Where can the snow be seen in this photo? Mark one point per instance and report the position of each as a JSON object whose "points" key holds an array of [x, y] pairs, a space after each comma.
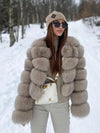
{"points": [[12, 64], [77, 1]]}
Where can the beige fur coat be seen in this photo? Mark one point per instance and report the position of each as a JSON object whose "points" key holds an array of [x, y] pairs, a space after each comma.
{"points": [[73, 78]]}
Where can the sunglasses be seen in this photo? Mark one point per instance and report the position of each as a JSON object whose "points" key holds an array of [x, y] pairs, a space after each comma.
{"points": [[57, 24]]}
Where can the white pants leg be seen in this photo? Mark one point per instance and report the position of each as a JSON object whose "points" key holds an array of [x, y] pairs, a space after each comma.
{"points": [[60, 118], [59, 115], [39, 121]]}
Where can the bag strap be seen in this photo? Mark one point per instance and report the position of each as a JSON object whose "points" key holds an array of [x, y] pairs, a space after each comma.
{"points": [[56, 77]]}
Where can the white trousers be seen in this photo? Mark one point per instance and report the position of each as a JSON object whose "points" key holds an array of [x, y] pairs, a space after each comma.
{"points": [[59, 115]]}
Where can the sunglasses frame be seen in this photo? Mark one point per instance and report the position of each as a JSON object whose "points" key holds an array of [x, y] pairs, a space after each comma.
{"points": [[63, 24]]}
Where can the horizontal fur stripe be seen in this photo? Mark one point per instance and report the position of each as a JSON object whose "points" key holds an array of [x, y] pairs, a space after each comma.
{"points": [[79, 97], [67, 89], [38, 77], [73, 41], [80, 85], [41, 63], [29, 53], [25, 76], [39, 42], [34, 91], [23, 89], [80, 110], [23, 103], [40, 52], [81, 74], [81, 63], [68, 76], [80, 51], [69, 63], [66, 51], [70, 48], [21, 117], [28, 65], [75, 51]]}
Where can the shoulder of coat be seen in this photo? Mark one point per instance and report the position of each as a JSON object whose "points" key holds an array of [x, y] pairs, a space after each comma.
{"points": [[72, 47], [75, 44], [39, 49], [39, 42], [72, 41]]}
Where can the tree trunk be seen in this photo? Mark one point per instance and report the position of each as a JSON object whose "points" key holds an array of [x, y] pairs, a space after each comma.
{"points": [[11, 23], [0, 36], [40, 14], [22, 18], [18, 21], [50, 5], [37, 15]]}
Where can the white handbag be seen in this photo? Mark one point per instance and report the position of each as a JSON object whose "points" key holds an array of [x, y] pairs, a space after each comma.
{"points": [[49, 92]]}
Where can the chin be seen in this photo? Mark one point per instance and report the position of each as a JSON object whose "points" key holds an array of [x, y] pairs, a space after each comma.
{"points": [[59, 34]]}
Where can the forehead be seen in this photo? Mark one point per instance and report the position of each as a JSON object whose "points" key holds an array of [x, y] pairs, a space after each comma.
{"points": [[60, 20]]}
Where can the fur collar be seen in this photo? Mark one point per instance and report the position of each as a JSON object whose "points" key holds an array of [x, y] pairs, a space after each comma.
{"points": [[39, 48]]}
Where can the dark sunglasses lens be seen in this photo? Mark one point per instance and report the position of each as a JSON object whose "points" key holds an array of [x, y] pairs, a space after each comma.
{"points": [[64, 25], [57, 24]]}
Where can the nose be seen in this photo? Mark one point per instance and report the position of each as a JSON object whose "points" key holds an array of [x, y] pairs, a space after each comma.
{"points": [[60, 25]]}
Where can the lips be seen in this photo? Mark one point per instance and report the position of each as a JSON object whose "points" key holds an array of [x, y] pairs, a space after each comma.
{"points": [[60, 31]]}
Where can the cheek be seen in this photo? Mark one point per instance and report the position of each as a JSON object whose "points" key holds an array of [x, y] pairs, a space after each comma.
{"points": [[54, 29]]}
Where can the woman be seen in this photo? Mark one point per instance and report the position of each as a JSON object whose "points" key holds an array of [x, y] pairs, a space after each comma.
{"points": [[57, 53]]}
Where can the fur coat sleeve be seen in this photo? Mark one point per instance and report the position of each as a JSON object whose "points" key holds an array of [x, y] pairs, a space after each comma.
{"points": [[79, 97], [23, 102], [32, 77]]}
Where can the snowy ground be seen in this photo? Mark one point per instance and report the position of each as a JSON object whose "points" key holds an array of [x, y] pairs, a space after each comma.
{"points": [[12, 64]]}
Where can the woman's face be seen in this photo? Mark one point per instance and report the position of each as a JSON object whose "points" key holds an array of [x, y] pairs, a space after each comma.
{"points": [[58, 31]]}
